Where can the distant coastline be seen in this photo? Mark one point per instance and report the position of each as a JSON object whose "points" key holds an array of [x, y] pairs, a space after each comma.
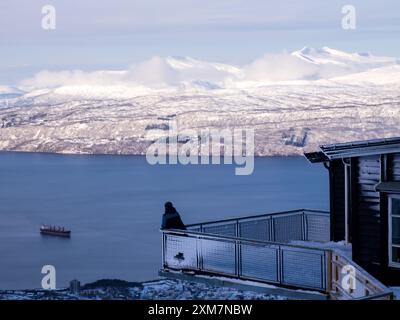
{"points": [[158, 289], [290, 155]]}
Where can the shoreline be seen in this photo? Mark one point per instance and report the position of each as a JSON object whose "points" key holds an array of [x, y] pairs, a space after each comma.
{"points": [[157, 289], [292, 155]]}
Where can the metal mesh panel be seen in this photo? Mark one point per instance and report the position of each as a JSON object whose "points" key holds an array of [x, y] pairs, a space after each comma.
{"points": [[318, 227], [180, 252], [194, 229], [290, 265], [218, 256], [256, 229], [288, 228], [221, 229], [285, 227], [260, 262], [303, 267], [295, 266]]}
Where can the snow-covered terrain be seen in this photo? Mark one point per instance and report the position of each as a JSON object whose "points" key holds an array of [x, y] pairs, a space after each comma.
{"points": [[161, 289], [295, 102]]}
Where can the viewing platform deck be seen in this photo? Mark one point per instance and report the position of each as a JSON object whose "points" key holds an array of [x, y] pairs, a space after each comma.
{"points": [[269, 249]]}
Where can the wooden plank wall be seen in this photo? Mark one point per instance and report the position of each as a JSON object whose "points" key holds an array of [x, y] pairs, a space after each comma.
{"points": [[390, 275], [337, 200], [366, 208], [394, 167]]}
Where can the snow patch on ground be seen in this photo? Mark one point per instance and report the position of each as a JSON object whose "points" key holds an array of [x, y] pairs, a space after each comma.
{"points": [[153, 290], [184, 290]]}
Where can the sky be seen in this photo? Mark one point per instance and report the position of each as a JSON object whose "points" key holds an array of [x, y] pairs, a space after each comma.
{"points": [[98, 34]]}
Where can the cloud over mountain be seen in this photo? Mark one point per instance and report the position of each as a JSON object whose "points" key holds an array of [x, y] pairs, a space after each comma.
{"points": [[182, 73]]}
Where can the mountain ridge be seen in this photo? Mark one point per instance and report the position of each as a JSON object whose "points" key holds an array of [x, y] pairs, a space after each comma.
{"points": [[177, 74], [115, 113]]}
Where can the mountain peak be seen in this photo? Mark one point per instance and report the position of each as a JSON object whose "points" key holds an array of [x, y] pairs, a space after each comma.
{"points": [[308, 51], [177, 73]]}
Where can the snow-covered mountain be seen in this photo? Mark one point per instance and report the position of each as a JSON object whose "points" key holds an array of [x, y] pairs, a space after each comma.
{"points": [[327, 55], [7, 92], [293, 101], [183, 74], [347, 67]]}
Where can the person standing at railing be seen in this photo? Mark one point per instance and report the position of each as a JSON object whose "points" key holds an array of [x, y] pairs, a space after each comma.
{"points": [[171, 218]]}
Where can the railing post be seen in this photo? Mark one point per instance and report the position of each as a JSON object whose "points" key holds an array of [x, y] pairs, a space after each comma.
{"points": [[237, 258], [328, 261], [270, 229], [197, 254], [273, 229], [199, 249], [163, 238], [281, 266], [304, 226], [238, 251]]}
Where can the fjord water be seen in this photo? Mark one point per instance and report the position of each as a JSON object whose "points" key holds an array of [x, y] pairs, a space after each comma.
{"points": [[113, 205]]}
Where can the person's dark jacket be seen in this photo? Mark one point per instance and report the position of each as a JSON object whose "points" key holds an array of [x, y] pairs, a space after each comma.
{"points": [[171, 219]]}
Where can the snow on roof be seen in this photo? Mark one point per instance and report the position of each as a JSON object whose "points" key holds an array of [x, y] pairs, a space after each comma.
{"points": [[355, 149]]}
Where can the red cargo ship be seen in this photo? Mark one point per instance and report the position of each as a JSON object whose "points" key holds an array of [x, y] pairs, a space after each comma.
{"points": [[55, 231]]}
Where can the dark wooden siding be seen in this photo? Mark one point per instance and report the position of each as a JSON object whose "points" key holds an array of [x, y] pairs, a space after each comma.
{"points": [[337, 200], [390, 276], [394, 167], [366, 213]]}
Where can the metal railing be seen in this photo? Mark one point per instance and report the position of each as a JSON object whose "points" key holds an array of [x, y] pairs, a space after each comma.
{"points": [[282, 227], [267, 262], [258, 248]]}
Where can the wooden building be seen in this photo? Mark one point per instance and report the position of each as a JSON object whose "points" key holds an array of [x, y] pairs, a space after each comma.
{"points": [[364, 180]]}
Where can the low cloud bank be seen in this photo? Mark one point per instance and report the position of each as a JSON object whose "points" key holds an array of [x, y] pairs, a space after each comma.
{"points": [[172, 72]]}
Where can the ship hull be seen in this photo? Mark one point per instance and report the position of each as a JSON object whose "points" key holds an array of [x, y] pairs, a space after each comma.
{"points": [[64, 234]]}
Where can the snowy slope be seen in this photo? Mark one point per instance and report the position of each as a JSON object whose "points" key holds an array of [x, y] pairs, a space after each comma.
{"points": [[321, 95], [7, 92], [378, 76]]}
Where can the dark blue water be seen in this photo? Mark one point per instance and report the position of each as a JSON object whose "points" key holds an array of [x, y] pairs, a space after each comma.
{"points": [[113, 204]]}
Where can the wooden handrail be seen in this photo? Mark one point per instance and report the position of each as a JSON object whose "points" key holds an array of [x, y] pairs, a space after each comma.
{"points": [[370, 289]]}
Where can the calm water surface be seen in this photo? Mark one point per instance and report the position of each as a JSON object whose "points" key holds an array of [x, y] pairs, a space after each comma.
{"points": [[113, 205]]}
